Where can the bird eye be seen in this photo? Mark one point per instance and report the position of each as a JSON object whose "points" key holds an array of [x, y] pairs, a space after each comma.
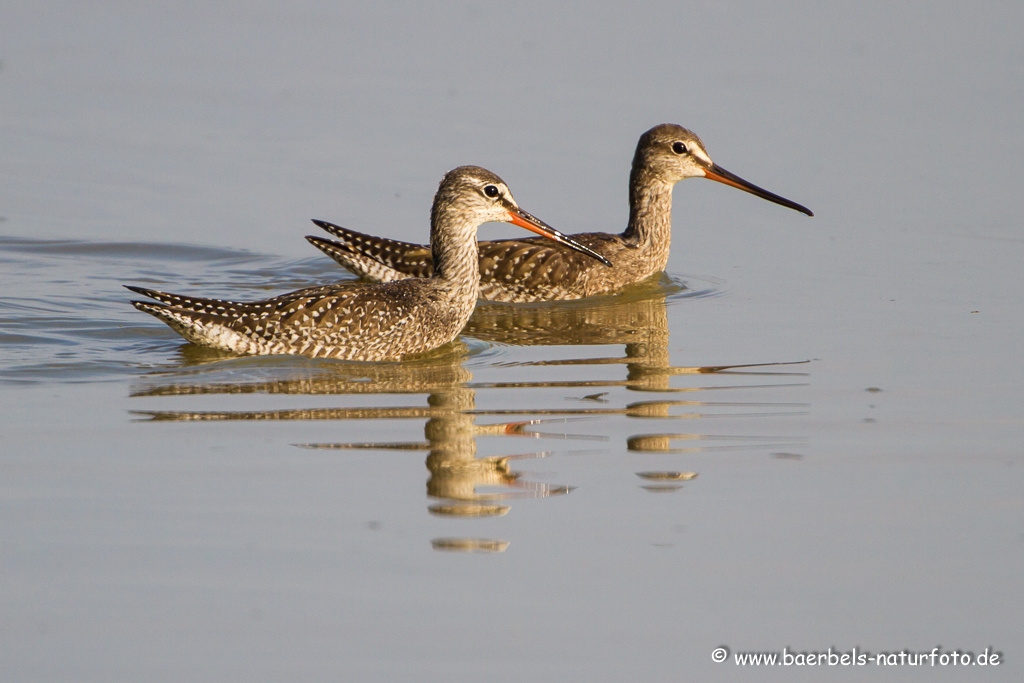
{"points": [[491, 191], [679, 148]]}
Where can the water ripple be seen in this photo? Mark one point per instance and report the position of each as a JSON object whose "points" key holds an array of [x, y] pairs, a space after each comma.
{"points": [[64, 315]]}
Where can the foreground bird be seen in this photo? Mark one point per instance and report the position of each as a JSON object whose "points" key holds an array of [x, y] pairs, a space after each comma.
{"points": [[368, 322], [523, 270]]}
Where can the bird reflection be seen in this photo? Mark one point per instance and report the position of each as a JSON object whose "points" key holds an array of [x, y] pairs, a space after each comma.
{"points": [[466, 485], [637, 318], [461, 483], [457, 475]]}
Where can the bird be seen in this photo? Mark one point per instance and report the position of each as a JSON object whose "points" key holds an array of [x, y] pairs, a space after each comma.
{"points": [[531, 269], [367, 322]]}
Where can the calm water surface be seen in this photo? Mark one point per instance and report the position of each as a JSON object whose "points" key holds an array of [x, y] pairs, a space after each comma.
{"points": [[806, 434]]}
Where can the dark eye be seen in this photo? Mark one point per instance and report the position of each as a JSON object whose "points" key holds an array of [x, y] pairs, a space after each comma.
{"points": [[679, 148], [491, 191]]}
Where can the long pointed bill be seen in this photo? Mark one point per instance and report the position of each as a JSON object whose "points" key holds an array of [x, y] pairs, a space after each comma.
{"points": [[719, 174], [533, 224]]}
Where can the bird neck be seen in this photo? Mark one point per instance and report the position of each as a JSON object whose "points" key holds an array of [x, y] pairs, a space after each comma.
{"points": [[650, 214], [456, 259]]}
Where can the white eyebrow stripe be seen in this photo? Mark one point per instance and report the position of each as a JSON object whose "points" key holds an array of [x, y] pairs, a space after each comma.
{"points": [[700, 154]]}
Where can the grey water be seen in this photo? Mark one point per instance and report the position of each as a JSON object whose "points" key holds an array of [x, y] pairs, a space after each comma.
{"points": [[807, 434]]}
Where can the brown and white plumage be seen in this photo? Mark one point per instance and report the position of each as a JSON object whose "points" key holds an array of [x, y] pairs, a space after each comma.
{"points": [[521, 270], [355, 321]]}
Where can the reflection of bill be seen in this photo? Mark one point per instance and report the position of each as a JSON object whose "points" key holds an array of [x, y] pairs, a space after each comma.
{"points": [[469, 545], [457, 475]]}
